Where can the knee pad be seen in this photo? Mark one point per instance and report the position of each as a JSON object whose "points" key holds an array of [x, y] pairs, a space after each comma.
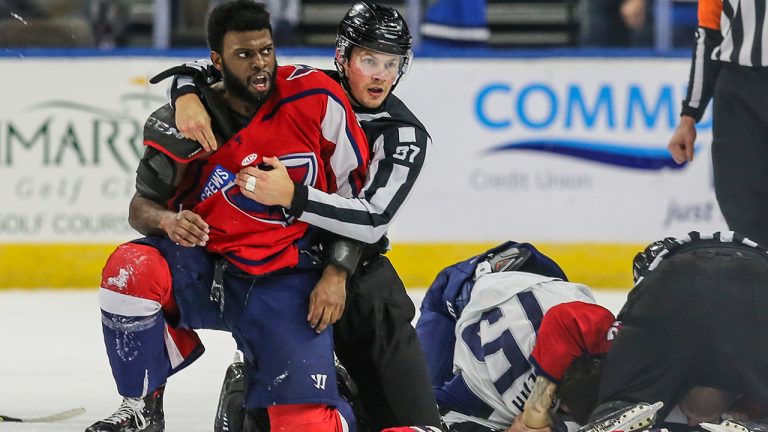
{"points": [[139, 271], [307, 418]]}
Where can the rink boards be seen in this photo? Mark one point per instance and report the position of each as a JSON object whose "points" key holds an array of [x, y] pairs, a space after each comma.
{"points": [[564, 152], [79, 265]]}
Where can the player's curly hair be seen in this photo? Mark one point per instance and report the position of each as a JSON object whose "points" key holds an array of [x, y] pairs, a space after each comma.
{"points": [[238, 16], [578, 388]]}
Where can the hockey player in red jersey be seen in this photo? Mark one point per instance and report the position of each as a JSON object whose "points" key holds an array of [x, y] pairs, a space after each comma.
{"points": [[373, 55], [251, 274], [258, 238]]}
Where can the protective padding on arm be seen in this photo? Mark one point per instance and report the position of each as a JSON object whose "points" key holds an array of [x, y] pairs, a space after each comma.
{"points": [[161, 133], [155, 176]]}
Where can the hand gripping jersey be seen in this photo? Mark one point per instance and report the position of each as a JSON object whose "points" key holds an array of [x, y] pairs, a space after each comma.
{"points": [[308, 123]]}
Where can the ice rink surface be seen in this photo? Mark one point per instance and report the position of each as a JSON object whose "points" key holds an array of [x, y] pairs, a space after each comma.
{"points": [[52, 359]]}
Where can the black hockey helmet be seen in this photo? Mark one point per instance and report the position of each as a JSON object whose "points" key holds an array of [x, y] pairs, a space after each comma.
{"points": [[375, 27], [643, 260]]}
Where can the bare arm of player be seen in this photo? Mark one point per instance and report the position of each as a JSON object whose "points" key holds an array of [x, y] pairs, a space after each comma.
{"points": [[681, 144], [326, 302], [150, 218], [536, 411], [193, 121], [518, 425], [272, 187]]}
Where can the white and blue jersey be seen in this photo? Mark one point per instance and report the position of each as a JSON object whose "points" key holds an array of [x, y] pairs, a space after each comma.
{"points": [[478, 335], [495, 335]]}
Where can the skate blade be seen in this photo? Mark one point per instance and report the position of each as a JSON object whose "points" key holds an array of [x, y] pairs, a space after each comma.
{"points": [[725, 426], [638, 418]]}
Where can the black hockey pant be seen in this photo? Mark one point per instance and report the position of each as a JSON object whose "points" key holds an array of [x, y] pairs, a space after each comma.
{"points": [[377, 344], [740, 149], [699, 319]]}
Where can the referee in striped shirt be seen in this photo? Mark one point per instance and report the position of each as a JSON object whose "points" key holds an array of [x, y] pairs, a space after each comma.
{"points": [[730, 63]]}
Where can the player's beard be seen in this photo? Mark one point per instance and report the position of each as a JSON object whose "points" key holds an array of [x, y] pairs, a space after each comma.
{"points": [[240, 88]]}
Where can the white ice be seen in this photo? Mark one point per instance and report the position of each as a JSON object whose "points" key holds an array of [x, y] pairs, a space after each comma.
{"points": [[52, 359]]}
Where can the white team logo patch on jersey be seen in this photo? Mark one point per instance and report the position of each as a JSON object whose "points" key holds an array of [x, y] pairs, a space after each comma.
{"points": [[319, 380], [249, 159], [299, 71]]}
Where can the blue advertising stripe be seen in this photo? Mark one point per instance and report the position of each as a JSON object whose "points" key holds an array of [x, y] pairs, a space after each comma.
{"points": [[611, 154]]}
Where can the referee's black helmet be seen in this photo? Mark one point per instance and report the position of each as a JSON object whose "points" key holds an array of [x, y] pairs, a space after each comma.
{"points": [[375, 27]]}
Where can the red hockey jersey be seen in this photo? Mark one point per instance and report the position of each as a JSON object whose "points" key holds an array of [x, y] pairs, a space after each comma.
{"points": [[309, 124]]}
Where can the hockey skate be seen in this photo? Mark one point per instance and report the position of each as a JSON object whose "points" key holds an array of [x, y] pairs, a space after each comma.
{"points": [[348, 391], [230, 413], [628, 418], [135, 415], [735, 426]]}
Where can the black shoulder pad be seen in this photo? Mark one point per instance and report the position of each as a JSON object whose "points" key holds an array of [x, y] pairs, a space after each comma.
{"points": [[160, 132], [155, 176]]}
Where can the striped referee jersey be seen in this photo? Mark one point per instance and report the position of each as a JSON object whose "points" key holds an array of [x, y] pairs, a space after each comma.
{"points": [[731, 31], [398, 148]]}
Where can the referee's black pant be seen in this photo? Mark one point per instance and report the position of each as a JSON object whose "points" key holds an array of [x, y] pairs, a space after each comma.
{"points": [[377, 344], [699, 319], [740, 149]]}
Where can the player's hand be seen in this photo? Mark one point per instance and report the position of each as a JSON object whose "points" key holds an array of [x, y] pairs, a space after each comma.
{"points": [[519, 426], [193, 121], [326, 303], [185, 228], [271, 187], [536, 413], [681, 144], [633, 13]]}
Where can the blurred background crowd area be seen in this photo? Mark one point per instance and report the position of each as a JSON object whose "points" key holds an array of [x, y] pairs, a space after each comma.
{"points": [[167, 24]]}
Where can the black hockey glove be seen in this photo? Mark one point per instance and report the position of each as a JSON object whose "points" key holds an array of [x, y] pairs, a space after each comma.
{"points": [[189, 77], [201, 71], [197, 77]]}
